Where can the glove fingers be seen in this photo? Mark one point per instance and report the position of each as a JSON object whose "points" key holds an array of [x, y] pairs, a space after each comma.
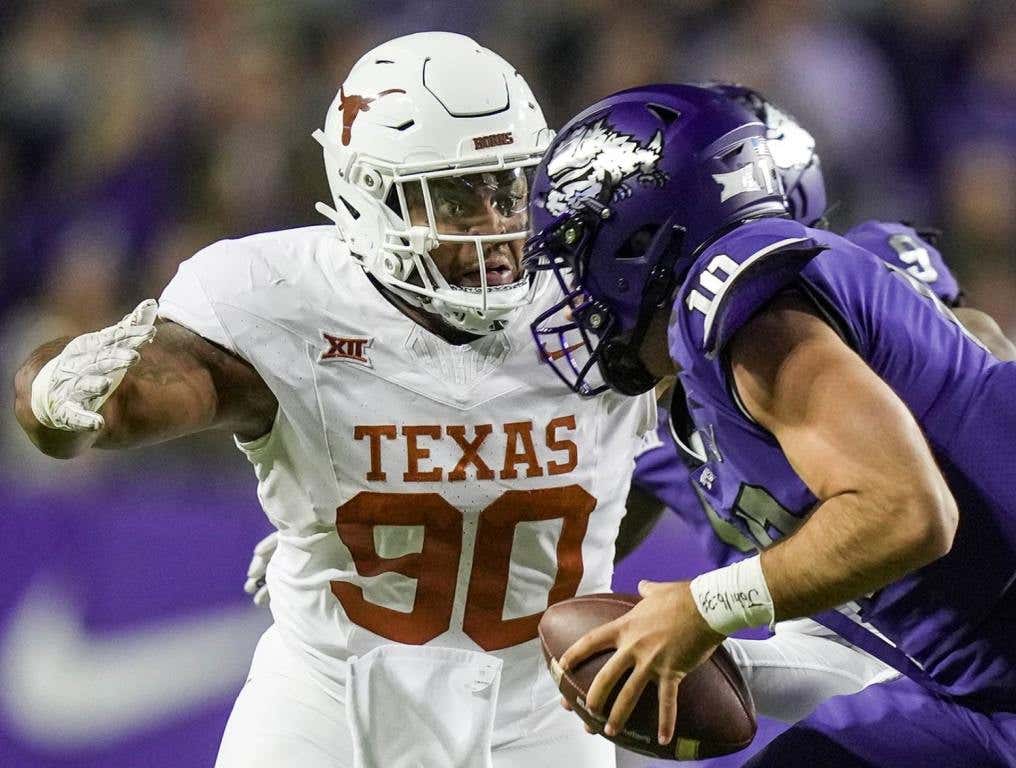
{"points": [[258, 590], [72, 416], [136, 336], [93, 386], [257, 568], [115, 360], [267, 545], [251, 586], [143, 314], [125, 335]]}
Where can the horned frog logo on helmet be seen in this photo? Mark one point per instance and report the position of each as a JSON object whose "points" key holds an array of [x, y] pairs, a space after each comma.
{"points": [[595, 156], [790, 144]]}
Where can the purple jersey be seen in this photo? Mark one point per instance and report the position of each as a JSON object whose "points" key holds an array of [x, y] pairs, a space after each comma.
{"points": [[903, 246], [898, 724], [662, 469], [952, 621]]}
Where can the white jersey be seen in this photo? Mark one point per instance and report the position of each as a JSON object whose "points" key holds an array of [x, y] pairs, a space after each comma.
{"points": [[424, 493]]}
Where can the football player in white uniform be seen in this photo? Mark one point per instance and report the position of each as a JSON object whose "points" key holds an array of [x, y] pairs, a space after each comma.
{"points": [[433, 491]]}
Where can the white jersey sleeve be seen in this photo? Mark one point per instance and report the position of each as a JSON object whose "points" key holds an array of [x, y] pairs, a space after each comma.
{"points": [[215, 274]]}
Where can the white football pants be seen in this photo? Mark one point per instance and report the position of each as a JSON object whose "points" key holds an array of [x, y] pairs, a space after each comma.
{"points": [[282, 717], [802, 665]]}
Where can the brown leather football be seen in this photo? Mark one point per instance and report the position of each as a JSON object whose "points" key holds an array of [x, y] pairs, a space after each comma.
{"points": [[715, 711]]}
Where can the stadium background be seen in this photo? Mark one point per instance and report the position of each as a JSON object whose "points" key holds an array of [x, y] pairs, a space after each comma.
{"points": [[132, 133]]}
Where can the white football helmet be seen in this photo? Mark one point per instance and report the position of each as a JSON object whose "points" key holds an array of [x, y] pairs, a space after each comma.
{"points": [[419, 120]]}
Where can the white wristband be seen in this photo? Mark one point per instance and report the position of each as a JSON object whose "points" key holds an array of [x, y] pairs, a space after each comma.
{"points": [[734, 597], [40, 393]]}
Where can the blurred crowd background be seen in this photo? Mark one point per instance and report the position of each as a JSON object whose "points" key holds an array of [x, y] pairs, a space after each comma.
{"points": [[134, 132]]}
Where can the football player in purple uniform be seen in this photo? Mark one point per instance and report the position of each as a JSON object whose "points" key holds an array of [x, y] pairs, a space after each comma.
{"points": [[851, 428], [662, 467]]}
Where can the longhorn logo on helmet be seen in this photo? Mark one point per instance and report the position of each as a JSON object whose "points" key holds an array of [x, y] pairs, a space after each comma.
{"points": [[352, 106]]}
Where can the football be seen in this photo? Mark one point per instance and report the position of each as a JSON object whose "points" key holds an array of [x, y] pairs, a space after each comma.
{"points": [[715, 711]]}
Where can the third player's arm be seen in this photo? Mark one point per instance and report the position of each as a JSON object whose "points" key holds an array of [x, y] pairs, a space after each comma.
{"points": [[885, 509], [984, 327], [642, 512], [181, 384]]}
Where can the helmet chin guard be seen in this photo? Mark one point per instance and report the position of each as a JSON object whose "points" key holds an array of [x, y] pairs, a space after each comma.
{"points": [[423, 128]]}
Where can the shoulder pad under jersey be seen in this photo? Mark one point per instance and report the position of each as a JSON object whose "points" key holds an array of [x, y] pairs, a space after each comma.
{"points": [[903, 246], [737, 275], [270, 275]]}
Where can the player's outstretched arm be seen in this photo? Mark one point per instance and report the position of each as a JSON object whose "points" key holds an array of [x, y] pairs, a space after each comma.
{"points": [[138, 382], [885, 509]]}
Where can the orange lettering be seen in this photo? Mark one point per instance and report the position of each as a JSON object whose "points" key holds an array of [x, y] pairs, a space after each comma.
{"points": [[514, 431], [375, 433], [470, 453], [434, 567], [414, 454], [562, 467], [495, 536]]}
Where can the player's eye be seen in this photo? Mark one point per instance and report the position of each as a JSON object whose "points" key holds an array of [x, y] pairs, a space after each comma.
{"points": [[510, 204]]}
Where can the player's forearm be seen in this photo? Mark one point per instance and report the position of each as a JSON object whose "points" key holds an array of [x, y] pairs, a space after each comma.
{"points": [[136, 416], [167, 392], [58, 443], [853, 545], [184, 384], [136, 413], [165, 395]]}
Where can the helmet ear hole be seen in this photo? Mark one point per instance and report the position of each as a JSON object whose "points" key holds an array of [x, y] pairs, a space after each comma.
{"points": [[349, 207], [636, 246]]}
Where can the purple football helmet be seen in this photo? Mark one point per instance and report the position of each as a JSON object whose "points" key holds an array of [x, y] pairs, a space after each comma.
{"points": [[793, 150], [627, 194]]}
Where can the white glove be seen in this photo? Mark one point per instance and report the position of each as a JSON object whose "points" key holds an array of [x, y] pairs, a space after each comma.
{"points": [[255, 584], [69, 390]]}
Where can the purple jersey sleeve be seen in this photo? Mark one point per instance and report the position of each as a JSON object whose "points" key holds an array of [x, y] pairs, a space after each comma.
{"points": [[739, 273], [903, 246]]}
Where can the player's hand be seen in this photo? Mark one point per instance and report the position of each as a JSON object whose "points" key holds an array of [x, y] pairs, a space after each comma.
{"points": [[660, 640], [255, 586], [69, 390]]}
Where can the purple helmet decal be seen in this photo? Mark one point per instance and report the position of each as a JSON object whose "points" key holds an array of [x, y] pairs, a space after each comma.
{"points": [[627, 193], [793, 150]]}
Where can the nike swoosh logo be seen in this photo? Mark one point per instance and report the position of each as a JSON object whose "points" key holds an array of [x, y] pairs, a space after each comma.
{"points": [[557, 354], [63, 686]]}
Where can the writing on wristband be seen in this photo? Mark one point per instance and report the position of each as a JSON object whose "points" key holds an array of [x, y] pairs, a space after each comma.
{"points": [[713, 601], [734, 597]]}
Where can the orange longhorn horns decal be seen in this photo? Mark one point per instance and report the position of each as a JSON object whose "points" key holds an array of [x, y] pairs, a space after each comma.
{"points": [[352, 106]]}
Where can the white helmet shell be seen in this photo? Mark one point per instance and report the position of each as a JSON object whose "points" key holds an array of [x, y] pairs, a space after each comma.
{"points": [[420, 107]]}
